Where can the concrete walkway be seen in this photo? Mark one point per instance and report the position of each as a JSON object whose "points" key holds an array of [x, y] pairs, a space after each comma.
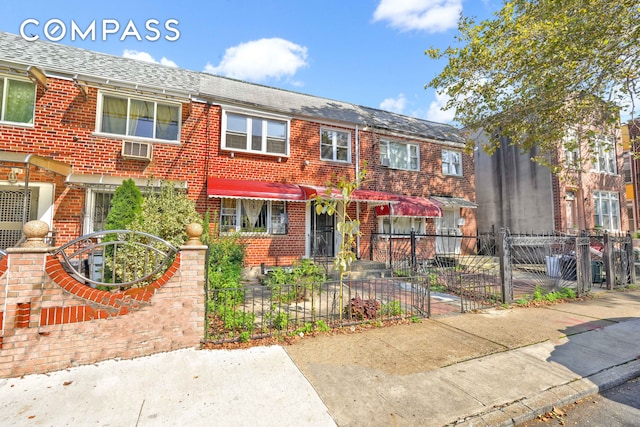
{"points": [[498, 367]]}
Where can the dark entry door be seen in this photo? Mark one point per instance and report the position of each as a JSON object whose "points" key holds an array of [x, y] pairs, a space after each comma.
{"points": [[322, 234]]}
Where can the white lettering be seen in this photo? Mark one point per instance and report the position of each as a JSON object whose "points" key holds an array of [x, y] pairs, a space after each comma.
{"points": [[24, 24], [130, 30], [150, 25], [109, 26], [91, 29], [55, 30], [53, 27], [175, 31]]}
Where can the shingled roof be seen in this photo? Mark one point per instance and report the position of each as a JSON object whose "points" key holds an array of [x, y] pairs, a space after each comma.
{"points": [[87, 65]]}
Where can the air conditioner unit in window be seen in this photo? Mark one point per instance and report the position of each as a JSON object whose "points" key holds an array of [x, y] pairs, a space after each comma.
{"points": [[137, 150], [385, 161]]}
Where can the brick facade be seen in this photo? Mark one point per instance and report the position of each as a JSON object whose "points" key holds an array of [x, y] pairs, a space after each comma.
{"points": [[64, 129]]}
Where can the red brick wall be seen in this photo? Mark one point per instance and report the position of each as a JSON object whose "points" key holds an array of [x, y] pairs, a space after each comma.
{"points": [[52, 322], [64, 130]]}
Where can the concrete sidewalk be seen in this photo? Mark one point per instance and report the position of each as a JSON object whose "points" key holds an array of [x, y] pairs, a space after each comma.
{"points": [[493, 368]]}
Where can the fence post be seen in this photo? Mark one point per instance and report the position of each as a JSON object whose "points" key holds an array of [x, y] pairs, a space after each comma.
{"points": [[390, 250], [631, 277], [506, 272], [583, 263], [607, 258], [413, 250]]}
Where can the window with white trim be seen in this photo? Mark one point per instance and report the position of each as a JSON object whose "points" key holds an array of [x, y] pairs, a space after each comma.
{"points": [[400, 225], [17, 100], [139, 118], [255, 134], [253, 216], [451, 162], [571, 149], [335, 145], [606, 210], [397, 155], [97, 208], [604, 158]]}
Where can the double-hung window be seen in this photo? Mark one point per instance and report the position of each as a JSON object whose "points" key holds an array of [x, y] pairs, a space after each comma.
{"points": [[139, 118], [97, 208], [255, 134], [398, 155], [451, 162], [335, 145], [17, 100], [604, 159], [606, 210], [400, 225], [571, 149], [253, 216]]}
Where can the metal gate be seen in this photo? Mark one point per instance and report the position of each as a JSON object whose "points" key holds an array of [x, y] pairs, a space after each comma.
{"points": [[13, 214], [549, 262], [467, 267]]}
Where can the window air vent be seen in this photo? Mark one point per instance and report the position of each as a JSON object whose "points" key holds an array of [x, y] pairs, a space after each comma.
{"points": [[137, 150], [385, 161]]}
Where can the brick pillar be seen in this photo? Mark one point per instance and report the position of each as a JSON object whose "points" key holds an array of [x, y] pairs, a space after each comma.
{"points": [[20, 301], [193, 267]]}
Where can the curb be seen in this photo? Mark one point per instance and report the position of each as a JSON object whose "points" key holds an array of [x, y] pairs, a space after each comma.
{"points": [[525, 409]]}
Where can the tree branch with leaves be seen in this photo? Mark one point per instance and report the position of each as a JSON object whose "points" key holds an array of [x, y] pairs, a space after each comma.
{"points": [[540, 65]]}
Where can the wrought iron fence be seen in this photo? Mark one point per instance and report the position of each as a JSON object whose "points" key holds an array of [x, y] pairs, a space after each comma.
{"points": [[257, 311], [116, 258]]}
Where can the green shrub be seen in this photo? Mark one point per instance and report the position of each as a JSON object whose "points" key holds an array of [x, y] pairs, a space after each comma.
{"points": [[294, 284], [392, 308]]}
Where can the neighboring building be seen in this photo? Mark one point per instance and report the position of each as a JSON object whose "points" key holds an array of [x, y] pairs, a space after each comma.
{"points": [[629, 168], [75, 123], [631, 139], [516, 193]]}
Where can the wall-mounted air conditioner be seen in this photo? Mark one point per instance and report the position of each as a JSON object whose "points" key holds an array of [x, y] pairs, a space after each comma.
{"points": [[137, 150]]}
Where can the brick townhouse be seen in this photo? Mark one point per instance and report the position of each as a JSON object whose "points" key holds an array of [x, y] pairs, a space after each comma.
{"points": [[75, 123]]}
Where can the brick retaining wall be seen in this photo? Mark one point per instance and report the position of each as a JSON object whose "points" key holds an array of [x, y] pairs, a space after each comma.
{"points": [[49, 321]]}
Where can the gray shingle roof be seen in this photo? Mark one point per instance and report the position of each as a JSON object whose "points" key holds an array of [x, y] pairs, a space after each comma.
{"points": [[58, 58]]}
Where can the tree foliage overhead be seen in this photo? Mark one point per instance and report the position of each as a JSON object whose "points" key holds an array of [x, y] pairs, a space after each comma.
{"points": [[540, 65]]}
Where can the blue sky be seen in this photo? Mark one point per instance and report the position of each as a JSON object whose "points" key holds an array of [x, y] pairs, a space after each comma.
{"points": [[368, 52]]}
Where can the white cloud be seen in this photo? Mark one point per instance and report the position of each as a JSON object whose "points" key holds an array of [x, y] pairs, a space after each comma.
{"points": [[146, 57], [261, 59], [436, 112], [428, 15], [396, 105]]}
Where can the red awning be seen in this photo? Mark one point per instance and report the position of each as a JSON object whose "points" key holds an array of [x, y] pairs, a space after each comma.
{"points": [[247, 189], [358, 195], [410, 206], [312, 191]]}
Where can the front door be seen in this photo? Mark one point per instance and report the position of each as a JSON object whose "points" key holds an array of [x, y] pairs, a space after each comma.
{"points": [[447, 230], [13, 215], [322, 234]]}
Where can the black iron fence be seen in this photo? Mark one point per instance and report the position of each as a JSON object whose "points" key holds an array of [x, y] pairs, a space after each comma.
{"points": [[257, 311], [499, 267]]}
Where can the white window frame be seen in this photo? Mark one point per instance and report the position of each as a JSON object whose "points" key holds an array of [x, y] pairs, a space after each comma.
{"points": [[4, 97], [128, 98], [275, 225], [571, 148], [604, 159], [448, 163], [385, 153], [266, 119], [606, 210], [333, 135], [418, 224], [90, 206]]}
